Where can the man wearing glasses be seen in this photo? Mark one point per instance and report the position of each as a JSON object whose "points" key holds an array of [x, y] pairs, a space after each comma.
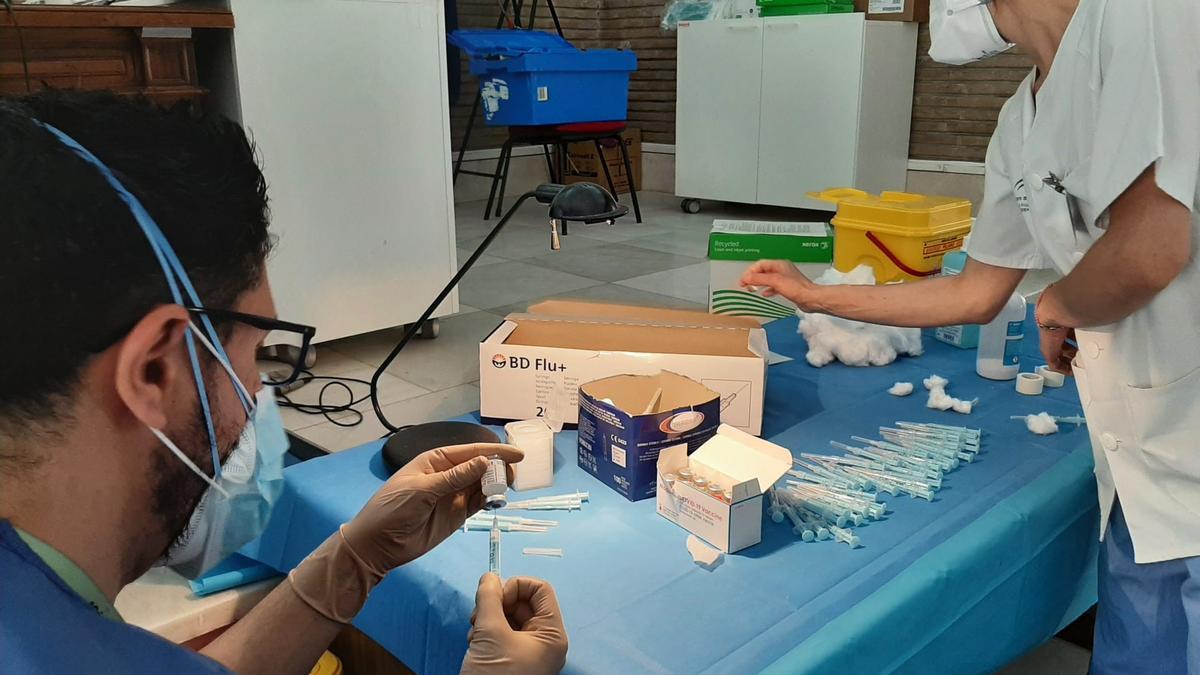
{"points": [[134, 430]]}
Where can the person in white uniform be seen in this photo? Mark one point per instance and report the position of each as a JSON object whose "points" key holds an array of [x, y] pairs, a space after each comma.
{"points": [[1093, 171]]}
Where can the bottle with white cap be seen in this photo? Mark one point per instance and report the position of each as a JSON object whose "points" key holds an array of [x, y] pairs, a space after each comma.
{"points": [[999, 356]]}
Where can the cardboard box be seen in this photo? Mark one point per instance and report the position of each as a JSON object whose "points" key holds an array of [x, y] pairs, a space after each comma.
{"points": [[625, 420], [534, 362], [745, 466], [583, 162], [735, 245], [894, 10]]}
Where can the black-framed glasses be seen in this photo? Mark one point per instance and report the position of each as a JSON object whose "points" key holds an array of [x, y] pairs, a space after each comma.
{"points": [[291, 358]]}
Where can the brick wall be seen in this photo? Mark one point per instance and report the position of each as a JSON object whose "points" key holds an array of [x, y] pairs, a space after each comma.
{"points": [[954, 107]]}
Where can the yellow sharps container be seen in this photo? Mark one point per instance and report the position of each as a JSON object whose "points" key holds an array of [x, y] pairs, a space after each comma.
{"points": [[900, 234]]}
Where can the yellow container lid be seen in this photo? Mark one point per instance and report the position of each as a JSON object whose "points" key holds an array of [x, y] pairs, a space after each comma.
{"points": [[328, 664], [899, 213]]}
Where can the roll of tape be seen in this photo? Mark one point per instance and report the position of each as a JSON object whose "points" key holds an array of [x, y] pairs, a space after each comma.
{"points": [[1053, 378], [1030, 384]]}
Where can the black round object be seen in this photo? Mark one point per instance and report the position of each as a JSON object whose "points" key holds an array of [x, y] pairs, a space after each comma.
{"points": [[404, 445]]}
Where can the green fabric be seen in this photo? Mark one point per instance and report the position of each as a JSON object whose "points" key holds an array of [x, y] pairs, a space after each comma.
{"points": [[71, 575]]}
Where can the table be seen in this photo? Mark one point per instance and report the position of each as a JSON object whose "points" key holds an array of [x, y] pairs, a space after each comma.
{"points": [[1001, 560]]}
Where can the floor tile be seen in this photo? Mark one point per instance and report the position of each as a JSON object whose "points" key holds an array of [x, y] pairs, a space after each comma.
{"points": [[688, 283], [447, 361], [612, 262], [485, 259], [607, 293], [625, 228], [506, 283], [391, 389], [692, 243], [528, 239], [1055, 657], [428, 408]]}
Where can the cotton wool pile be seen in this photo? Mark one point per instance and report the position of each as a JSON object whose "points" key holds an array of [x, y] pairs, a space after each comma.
{"points": [[855, 343]]}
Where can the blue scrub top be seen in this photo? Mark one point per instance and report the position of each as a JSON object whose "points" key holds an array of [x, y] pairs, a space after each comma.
{"points": [[45, 627]]}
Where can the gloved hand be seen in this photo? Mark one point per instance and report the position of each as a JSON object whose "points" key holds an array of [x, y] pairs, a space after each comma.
{"points": [[418, 507], [516, 629]]}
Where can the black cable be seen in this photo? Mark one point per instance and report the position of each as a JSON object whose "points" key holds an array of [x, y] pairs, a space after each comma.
{"points": [[321, 407], [21, 45]]}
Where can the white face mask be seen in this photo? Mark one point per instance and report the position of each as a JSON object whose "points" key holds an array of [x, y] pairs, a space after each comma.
{"points": [[963, 31], [237, 504]]}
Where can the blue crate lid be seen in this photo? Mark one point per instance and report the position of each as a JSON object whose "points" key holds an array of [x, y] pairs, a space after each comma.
{"points": [[509, 43]]}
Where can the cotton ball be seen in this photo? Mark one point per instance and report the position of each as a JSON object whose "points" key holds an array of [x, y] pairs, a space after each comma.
{"points": [[963, 407], [1042, 424], [901, 389], [880, 352], [936, 382], [939, 400]]}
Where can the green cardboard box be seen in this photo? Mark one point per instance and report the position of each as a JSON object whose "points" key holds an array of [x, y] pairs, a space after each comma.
{"points": [[734, 245]]}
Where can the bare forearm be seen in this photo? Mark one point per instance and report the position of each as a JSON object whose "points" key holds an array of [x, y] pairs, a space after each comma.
{"points": [[972, 297], [282, 634]]}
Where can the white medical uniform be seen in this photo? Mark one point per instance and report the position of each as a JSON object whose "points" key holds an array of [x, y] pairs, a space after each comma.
{"points": [[1122, 94]]}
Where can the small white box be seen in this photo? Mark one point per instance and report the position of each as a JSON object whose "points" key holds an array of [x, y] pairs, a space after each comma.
{"points": [[533, 364], [746, 466]]}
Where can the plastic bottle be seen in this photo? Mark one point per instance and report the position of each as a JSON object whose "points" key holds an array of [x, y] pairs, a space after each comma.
{"points": [[999, 356], [963, 336]]}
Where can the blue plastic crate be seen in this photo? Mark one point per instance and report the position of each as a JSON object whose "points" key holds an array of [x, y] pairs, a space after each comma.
{"points": [[535, 78]]}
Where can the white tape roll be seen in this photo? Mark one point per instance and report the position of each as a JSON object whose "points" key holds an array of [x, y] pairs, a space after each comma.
{"points": [[1030, 384], [1053, 378]]}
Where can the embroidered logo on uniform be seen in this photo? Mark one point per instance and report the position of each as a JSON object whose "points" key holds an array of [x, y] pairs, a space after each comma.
{"points": [[1022, 195]]}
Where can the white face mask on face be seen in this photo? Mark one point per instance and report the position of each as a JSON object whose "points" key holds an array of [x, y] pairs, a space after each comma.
{"points": [[963, 31], [237, 504]]}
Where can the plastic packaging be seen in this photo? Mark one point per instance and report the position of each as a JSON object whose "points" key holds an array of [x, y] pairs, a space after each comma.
{"points": [[693, 10], [536, 439], [999, 356]]}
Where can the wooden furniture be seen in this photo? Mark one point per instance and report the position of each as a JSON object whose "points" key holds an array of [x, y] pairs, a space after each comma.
{"points": [[769, 109], [130, 50]]}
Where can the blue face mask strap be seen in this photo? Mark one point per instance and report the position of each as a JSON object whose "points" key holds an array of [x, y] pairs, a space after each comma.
{"points": [[167, 259]]}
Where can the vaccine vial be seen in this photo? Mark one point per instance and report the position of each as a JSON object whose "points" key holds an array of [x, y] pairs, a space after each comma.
{"points": [[684, 475], [494, 484], [716, 491], [700, 482], [669, 480]]}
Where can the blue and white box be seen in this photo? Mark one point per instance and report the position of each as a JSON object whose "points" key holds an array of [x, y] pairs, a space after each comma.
{"points": [[625, 420]]}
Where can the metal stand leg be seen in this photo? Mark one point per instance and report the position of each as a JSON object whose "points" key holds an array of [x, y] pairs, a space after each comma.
{"points": [[462, 149], [607, 174], [504, 178], [637, 210], [549, 163], [487, 210]]}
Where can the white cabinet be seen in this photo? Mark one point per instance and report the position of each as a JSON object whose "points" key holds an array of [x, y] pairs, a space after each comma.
{"points": [[347, 104], [769, 109]]}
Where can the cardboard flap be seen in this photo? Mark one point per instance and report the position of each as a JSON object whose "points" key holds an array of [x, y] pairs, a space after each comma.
{"points": [[641, 315], [633, 336], [745, 458], [649, 394]]}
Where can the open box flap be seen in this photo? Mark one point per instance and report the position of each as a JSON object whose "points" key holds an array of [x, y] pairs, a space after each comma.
{"points": [[746, 458], [638, 395], [614, 313]]}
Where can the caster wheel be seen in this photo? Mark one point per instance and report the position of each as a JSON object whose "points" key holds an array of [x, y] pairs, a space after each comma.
{"points": [[430, 330], [690, 205]]}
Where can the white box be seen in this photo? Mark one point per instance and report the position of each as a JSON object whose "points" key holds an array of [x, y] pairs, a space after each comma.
{"points": [[533, 363], [735, 245], [746, 466]]}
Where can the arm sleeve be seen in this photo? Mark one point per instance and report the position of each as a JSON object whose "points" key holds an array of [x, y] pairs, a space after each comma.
{"points": [[1000, 235], [1149, 101]]}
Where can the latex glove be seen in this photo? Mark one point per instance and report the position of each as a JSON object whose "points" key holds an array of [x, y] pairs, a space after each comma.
{"points": [[418, 507], [780, 277], [516, 629]]}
